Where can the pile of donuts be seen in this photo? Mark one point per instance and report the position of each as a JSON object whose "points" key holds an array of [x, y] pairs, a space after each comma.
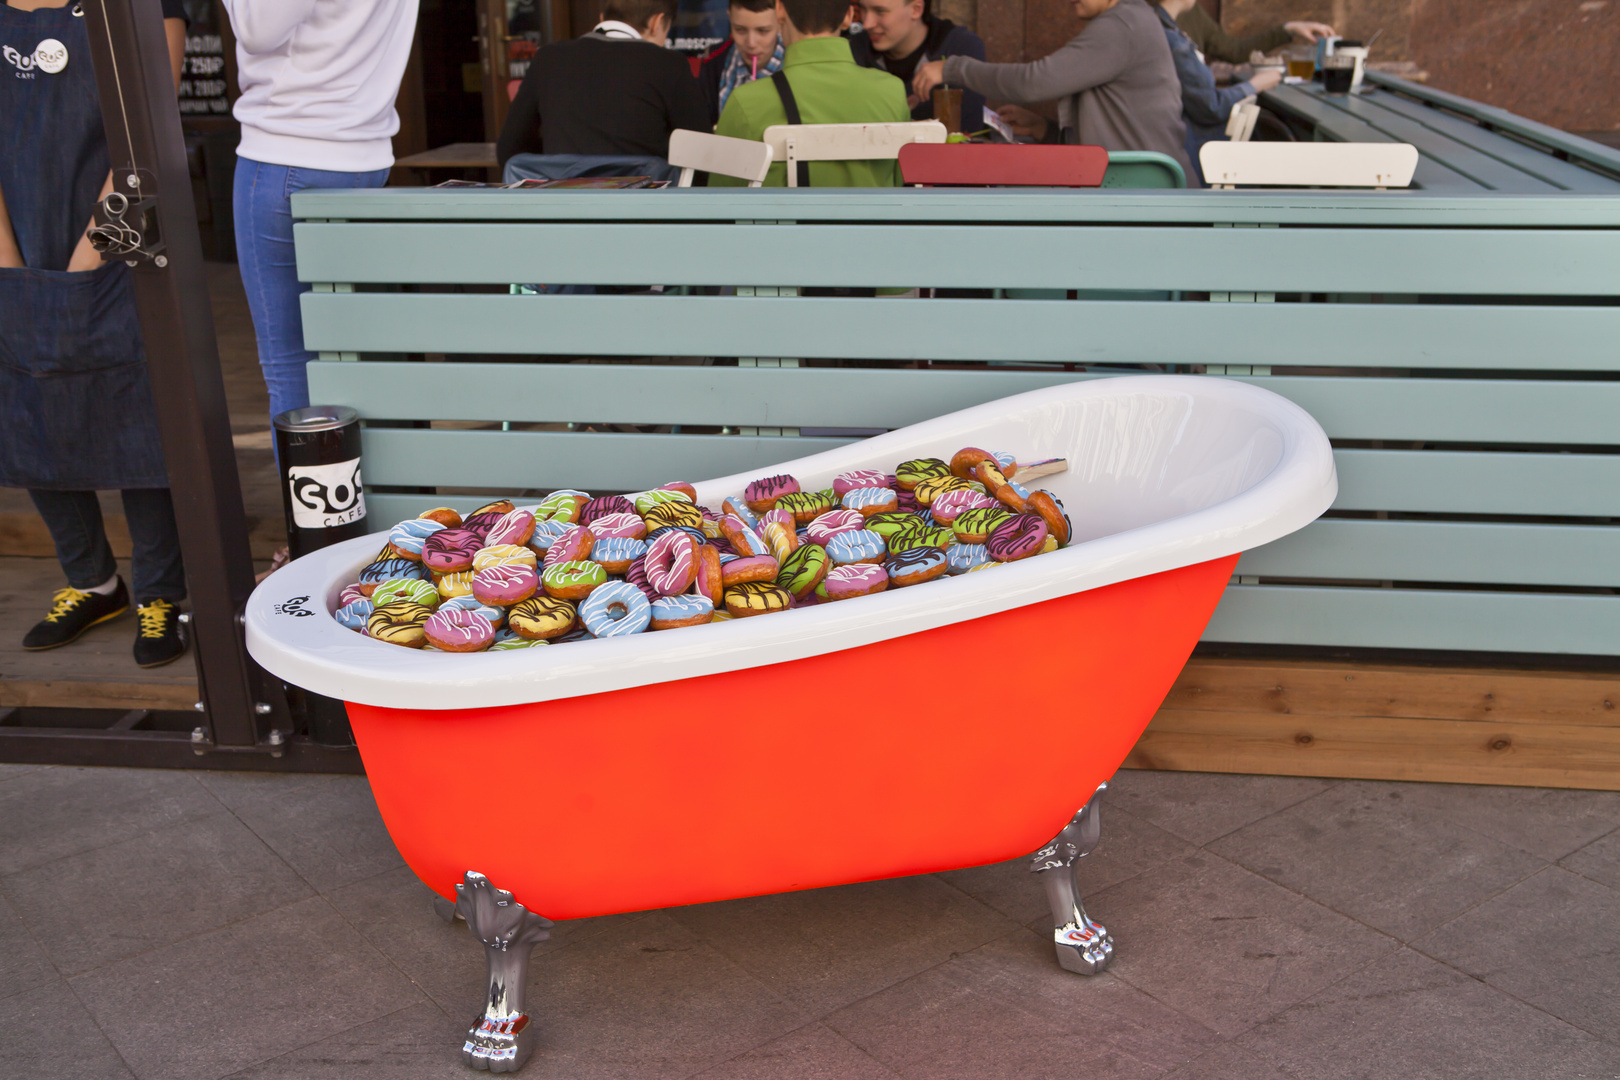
{"points": [[575, 567]]}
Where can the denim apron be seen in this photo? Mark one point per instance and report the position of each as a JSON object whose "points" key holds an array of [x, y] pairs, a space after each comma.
{"points": [[76, 409]]}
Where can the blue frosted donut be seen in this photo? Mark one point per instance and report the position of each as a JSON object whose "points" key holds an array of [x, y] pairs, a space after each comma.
{"points": [[388, 569], [470, 602], [615, 609], [354, 614], [960, 558], [1023, 492], [688, 609], [545, 532], [618, 549], [409, 536], [855, 546], [1004, 460]]}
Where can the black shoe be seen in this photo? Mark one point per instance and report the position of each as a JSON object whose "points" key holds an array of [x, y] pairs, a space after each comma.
{"points": [[72, 613], [158, 642]]}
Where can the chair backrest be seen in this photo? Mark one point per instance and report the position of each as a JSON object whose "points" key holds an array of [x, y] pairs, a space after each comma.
{"points": [[1003, 165], [744, 159], [1143, 169], [1309, 164], [794, 143], [1240, 124]]}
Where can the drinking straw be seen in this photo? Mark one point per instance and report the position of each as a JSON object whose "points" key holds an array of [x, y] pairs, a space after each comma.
{"points": [[754, 64]]}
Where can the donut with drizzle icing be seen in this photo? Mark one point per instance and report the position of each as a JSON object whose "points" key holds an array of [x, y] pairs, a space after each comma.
{"points": [[671, 563], [761, 495], [1017, 538], [459, 630]]}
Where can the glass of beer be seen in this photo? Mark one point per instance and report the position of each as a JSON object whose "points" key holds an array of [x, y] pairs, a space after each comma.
{"points": [[1338, 72], [948, 109], [1302, 61]]}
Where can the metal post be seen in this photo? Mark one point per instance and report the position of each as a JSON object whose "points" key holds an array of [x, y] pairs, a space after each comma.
{"points": [[138, 108]]}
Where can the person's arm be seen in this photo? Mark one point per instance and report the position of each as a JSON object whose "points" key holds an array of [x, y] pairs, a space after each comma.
{"points": [[1097, 55], [10, 253], [1217, 44], [1201, 100], [521, 132], [263, 26]]}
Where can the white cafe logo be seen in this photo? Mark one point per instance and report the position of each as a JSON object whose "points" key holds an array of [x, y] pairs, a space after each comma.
{"points": [[50, 56]]}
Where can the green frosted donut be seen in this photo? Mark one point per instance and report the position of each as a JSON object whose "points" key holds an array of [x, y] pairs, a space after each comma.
{"points": [[417, 592], [908, 474], [803, 569]]}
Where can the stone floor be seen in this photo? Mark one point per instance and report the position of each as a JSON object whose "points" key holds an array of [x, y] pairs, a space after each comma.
{"points": [[183, 925]]}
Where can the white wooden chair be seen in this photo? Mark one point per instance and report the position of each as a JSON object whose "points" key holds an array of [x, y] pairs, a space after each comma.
{"points": [[1308, 164], [794, 143], [1240, 124], [744, 159]]}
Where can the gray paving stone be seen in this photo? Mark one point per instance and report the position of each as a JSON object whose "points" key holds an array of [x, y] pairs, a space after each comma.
{"points": [[118, 901], [1546, 822], [1200, 807], [824, 948], [329, 832], [1128, 847], [1599, 860], [47, 1033], [11, 772], [236, 789], [647, 999], [1225, 946], [217, 1003], [416, 1043], [1367, 850], [1227, 1062], [52, 813], [1409, 1017], [813, 1052], [23, 964], [1006, 1010], [1552, 941]]}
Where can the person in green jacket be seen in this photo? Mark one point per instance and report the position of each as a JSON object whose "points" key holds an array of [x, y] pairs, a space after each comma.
{"points": [[1217, 44], [829, 88]]}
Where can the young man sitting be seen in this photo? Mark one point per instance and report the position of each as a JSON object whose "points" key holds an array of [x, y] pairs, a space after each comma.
{"points": [[754, 51], [824, 86], [900, 34], [616, 91]]}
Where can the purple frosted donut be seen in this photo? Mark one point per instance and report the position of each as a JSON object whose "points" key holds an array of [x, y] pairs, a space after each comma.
{"points": [[1018, 537], [603, 506], [450, 550], [761, 495]]}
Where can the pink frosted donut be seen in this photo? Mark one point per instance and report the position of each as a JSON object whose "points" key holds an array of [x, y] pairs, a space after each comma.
{"points": [[948, 506], [681, 486], [749, 568], [515, 527], [623, 526], [856, 579], [761, 495], [780, 517], [349, 595], [1018, 537], [844, 483], [458, 630], [833, 522], [671, 563], [449, 550], [505, 584], [573, 544]]}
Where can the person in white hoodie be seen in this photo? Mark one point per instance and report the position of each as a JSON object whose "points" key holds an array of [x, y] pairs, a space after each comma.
{"points": [[318, 81]]}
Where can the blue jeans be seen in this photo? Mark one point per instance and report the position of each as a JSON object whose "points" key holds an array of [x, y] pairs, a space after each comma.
{"points": [[262, 200], [74, 519]]}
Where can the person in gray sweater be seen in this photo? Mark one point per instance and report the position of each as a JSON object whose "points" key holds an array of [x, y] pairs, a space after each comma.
{"points": [[1115, 82]]}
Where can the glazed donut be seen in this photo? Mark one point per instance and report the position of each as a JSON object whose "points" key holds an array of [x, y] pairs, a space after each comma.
{"points": [[844, 483], [573, 545], [561, 506], [856, 579], [742, 538], [504, 584], [542, 617], [495, 615], [399, 623], [674, 612], [450, 550], [616, 553], [572, 580], [761, 495], [374, 574], [445, 516], [757, 598], [603, 506], [353, 615], [737, 506], [862, 546], [781, 539], [506, 641], [350, 594], [947, 507], [649, 499], [972, 526], [451, 586], [405, 540], [504, 555], [805, 506], [908, 474], [676, 512], [515, 527], [915, 566], [751, 568], [1017, 538], [615, 610], [413, 589], [710, 579], [1050, 510], [458, 630], [832, 523], [671, 563], [963, 461], [960, 558], [869, 502], [627, 526], [803, 570]]}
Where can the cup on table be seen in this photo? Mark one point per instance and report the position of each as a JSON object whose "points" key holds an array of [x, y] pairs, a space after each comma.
{"points": [[948, 109], [1338, 72], [1301, 61], [1359, 54]]}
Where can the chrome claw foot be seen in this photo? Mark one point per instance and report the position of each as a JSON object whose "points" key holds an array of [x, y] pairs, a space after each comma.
{"points": [[502, 1039], [1083, 945]]}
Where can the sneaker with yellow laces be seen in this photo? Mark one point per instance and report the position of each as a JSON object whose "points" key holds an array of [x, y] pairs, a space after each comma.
{"points": [[74, 611], [158, 641]]}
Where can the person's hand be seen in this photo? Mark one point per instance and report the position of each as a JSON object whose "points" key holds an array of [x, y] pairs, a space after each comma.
{"points": [[928, 76], [1309, 31], [1023, 122], [1265, 79]]}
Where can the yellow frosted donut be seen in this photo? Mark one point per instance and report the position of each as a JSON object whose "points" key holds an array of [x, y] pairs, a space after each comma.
{"points": [[504, 555]]}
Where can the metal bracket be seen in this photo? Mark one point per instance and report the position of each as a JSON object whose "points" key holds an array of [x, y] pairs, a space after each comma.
{"points": [[501, 1039]]}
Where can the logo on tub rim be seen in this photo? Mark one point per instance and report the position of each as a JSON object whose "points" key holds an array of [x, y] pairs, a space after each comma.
{"points": [[295, 606], [326, 495]]}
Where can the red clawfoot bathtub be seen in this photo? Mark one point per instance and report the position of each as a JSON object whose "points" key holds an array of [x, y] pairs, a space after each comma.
{"points": [[924, 729]]}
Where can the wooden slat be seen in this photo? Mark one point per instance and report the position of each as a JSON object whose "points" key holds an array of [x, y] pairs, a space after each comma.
{"points": [[547, 459], [1334, 125], [92, 693], [1085, 331], [1577, 624], [1447, 482], [1530, 262], [1443, 551]]}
